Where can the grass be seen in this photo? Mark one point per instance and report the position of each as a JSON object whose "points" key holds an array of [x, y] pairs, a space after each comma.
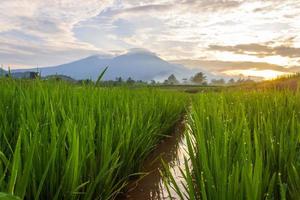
{"points": [[60, 141], [63, 141], [242, 145]]}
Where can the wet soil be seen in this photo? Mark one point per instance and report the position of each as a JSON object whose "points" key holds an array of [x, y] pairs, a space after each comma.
{"points": [[150, 186]]}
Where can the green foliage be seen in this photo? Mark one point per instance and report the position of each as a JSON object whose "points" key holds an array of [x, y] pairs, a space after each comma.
{"points": [[199, 78], [63, 141], [101, 76], [172, 80], [4, 196], [242, 145]]}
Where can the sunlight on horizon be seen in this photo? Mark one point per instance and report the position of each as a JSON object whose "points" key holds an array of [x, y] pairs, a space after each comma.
{"points": [[265, 74]]}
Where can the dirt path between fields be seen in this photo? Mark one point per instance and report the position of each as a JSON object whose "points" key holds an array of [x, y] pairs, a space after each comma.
{"points": [[172, 151]]}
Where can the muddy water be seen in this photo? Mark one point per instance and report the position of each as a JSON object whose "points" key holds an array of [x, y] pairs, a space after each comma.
{"points": [[151, 187]]}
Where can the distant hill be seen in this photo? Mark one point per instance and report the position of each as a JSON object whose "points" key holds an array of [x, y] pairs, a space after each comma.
{"points": [[138, 65], [60, 77], [26, 75]]}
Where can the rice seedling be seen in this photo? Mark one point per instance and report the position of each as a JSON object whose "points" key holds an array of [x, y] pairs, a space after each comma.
{"points": [[242, 145], [60, 141], [4, 196]]}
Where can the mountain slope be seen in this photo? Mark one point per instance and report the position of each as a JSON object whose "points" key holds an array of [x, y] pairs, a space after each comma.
{"points": [[143, 66], [82, 69], [137, 65]]}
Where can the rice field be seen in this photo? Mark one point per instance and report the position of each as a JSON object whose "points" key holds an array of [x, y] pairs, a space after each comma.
{"points": [[61, 141], [242, 145], [64, 141]]}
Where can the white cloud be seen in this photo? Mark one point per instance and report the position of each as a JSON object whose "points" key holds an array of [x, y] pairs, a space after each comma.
{"points": [[202, 23], [62, 30], [48, 23]]}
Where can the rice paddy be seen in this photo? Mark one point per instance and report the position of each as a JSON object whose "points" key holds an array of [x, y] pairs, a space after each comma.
{"points": [[60, 141], [64, 141], [242, 145]]}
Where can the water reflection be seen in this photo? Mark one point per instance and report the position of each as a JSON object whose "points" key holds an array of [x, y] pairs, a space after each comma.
{"points": [[151, 187]]}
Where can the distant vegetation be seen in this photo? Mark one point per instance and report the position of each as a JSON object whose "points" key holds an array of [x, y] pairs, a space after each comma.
{"points": [[198, 79], [201, 79]]}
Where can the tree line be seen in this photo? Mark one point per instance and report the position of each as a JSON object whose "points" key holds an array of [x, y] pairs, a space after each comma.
{"points": [[201, 79]]}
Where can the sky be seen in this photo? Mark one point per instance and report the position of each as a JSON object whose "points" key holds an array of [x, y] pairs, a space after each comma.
{"points": [[259, 38]]}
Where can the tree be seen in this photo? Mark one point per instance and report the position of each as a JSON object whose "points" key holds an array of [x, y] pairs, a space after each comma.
{"points": [[152, 82], [130, 81], [119, 80], [8, 73], [199, 78], [218, 81], [244, 81], [231, 81], [171, 80]]}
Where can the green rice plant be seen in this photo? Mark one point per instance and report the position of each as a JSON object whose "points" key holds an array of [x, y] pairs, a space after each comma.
{"points": [[101, 76], [4, 196], [242, 145], [61, 141]]}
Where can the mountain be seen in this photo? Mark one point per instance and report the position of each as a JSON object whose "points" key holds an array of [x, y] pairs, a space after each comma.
{"points": [[139, 65]]}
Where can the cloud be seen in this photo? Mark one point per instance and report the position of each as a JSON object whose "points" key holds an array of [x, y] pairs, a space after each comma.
{"points": [[171, 6], [260, 50], [271, 5], [49, 24], [26, 53], [140, 9], [49, 32], [212, 5], [219, 66]]}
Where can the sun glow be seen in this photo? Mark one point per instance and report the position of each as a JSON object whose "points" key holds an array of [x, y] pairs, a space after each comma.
{"points": [[265, 74]]}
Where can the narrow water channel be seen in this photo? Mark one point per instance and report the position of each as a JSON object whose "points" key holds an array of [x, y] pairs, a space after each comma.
{"points": [[151, 187]]}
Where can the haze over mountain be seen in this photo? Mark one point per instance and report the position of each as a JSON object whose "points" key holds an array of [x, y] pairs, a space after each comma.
{"points": [[139, 65]]}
